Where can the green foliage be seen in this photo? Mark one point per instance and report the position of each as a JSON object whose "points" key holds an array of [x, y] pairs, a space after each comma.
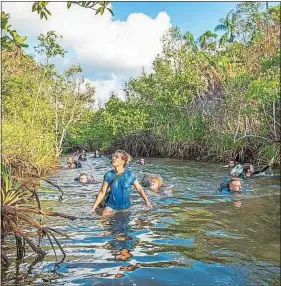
{"points": [[197, 98], [11, 190], [99, 7], [265, 90], [124, 117], [10, 37], [48, 45], [27, 150], [207, 40], [39, 107], [223, 100], [229, 26]]}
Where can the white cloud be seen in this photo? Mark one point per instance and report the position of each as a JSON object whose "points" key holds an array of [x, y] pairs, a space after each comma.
{"points": [[104, 88], [100, 44]]}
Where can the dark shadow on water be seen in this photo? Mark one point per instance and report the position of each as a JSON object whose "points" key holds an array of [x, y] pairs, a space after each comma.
{"points": [[122, 242]]}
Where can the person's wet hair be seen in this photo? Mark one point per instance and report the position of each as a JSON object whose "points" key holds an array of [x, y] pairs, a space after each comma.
{"points": [[157, 180], [234, 179], [247, 166], [70, 160], [125, 156]]}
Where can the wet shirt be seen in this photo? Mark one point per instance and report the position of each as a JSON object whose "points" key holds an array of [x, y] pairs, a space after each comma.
{"points": [[225, 191], [119, 196], [78, 164]]}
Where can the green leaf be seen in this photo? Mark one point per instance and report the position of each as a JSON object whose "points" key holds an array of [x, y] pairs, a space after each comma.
{"points": [[68, 4], [48, 11], [111, 12], [99, 10], [34, 6]]}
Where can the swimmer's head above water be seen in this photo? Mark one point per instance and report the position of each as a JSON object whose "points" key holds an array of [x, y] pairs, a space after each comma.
{"points": [[121, 158], [235, 185], [248, 170], [231, 163], [83, 179], [155, 183], [70, 160]]}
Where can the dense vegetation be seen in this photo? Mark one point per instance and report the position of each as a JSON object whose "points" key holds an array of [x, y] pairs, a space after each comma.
{"points": [[39, 107], [208, 98], [211, 98]]}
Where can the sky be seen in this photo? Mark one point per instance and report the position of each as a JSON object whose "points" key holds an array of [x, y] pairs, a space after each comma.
{"points": [[111, 50]]}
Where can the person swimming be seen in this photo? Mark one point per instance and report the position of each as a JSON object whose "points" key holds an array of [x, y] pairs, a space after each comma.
{"points": [[82, 156], [97, 154], [249, 170], [141, 162], [85, 179], [155, 183], [145, 181], [233, 185], [72, 164], [231, 163], [237, 171]]}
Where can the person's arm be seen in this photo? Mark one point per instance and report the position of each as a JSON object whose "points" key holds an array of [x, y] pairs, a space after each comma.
{"points": [[142, 193], [100, 195], [262, 170]]}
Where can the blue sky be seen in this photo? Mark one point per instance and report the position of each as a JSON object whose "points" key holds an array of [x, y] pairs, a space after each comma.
{"points": [[196, 17]]}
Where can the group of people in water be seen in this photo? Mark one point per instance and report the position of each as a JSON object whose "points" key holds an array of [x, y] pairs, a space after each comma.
{"points": [[114, 194], [240, 171]]}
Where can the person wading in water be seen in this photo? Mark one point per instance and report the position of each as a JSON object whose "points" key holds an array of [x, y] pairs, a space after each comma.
{"points": [[119, 180]]}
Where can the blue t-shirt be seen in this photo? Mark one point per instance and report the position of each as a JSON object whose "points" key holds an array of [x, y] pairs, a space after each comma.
{"points": [[225, 191], [119, 196]]}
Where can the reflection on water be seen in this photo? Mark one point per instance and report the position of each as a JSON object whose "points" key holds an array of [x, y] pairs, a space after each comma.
{"points": [[193, 236]]}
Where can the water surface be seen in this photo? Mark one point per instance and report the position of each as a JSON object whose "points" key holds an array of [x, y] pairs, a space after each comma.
{"points": [[193, 236]]}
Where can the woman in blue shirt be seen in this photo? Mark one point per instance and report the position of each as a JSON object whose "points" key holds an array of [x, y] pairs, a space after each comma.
{"points": [[120, 181]]}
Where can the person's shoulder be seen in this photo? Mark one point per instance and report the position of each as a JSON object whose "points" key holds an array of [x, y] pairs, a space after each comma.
{"points": [[108, 176], [129, 172], [224, 191], [111, 172]]}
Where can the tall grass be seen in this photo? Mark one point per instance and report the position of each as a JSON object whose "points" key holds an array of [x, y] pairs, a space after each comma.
{"points": [[27, 150]]}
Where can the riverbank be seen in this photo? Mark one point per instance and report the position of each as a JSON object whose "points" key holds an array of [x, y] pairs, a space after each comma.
{"points": [[142, 145]]}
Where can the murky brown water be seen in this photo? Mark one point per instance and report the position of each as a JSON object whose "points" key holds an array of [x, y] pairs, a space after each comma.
{"points": [[193, 236]]}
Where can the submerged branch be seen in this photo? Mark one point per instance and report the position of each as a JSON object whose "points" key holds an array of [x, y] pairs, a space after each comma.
{"points": [[53, 184], [13, 210]]}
